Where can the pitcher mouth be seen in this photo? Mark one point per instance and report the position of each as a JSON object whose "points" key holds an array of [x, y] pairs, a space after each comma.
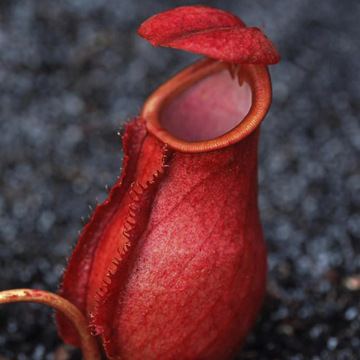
{"points": [[205, 108]]}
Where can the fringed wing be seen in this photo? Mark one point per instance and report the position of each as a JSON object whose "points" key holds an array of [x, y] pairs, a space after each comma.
{"points": [[102, 237]]}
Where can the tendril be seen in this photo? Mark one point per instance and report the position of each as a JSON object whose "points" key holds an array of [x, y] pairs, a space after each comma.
{"points": [[89, 345]]}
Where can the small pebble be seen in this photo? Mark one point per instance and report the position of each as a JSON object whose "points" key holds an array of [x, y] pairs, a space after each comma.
{"points": [[351, 313], [332, 343], [352, 282]]}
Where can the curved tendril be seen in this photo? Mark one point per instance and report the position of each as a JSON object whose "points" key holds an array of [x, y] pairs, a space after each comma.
{"points": [[89, 345]]}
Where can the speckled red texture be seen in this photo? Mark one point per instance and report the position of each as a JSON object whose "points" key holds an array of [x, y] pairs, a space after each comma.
{"points": [[210, 32], [193, 279]]}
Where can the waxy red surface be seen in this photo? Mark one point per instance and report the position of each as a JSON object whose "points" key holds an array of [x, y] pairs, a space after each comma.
{"points": [[173, 264], [191, 280]]}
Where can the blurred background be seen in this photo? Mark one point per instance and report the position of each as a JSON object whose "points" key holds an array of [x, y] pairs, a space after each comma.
{"points": [[72, 71]]}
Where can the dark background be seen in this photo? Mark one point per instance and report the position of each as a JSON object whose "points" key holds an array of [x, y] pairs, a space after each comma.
{"points": [[71, 71]]}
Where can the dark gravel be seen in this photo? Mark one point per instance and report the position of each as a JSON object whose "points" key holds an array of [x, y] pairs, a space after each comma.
{"points": [[72, 71]]}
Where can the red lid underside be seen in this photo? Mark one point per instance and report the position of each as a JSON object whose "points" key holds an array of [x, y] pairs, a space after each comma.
{"points": [[210, 32]]}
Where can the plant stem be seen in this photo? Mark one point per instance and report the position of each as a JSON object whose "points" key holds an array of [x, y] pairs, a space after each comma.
{"points": [[89, 345]]}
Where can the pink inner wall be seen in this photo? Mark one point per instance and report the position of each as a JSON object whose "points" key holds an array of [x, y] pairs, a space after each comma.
{"points": [[208, 109]]}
